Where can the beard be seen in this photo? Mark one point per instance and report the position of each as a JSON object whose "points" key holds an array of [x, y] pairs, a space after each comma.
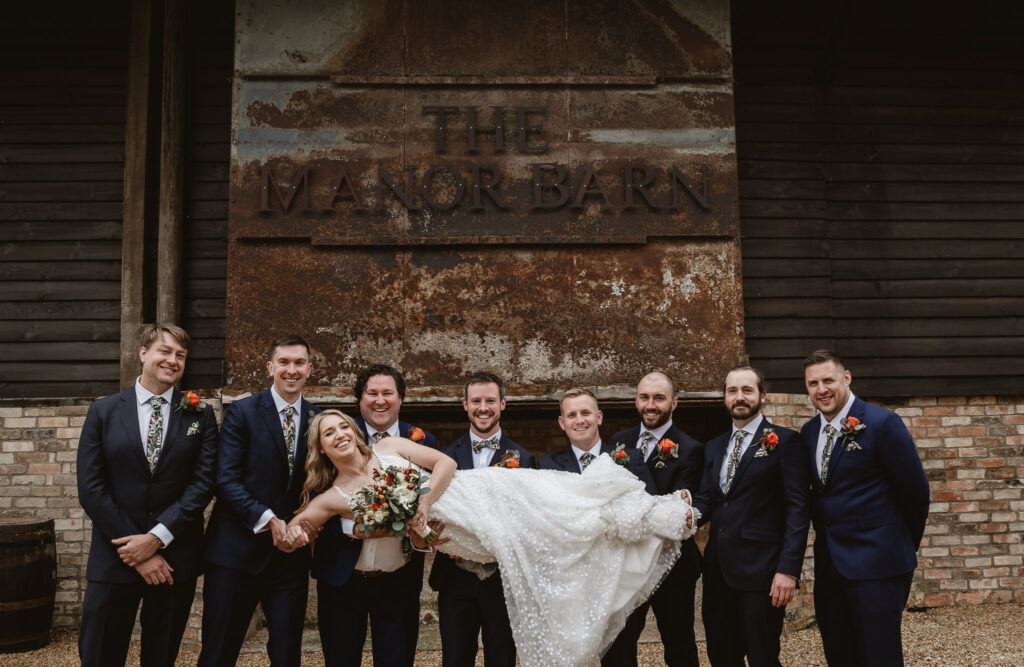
{"points": [[741, 410]]}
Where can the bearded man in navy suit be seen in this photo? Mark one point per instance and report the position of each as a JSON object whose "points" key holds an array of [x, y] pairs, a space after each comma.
{"points": [[145, 474], [380, 390], [755, 494], [869, 504], [467, 603], [675, 461], [260, 473]]}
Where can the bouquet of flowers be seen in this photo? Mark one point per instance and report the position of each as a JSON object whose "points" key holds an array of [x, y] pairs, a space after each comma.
{"points": [[389, 502]]}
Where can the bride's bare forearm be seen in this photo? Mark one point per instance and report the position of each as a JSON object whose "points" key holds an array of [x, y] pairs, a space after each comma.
{"points": [[440, 478]]}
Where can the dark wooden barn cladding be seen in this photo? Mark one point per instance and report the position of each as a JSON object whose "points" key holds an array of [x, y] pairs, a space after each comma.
{"points": [[62, 114], [63, 74], [881, 155]]}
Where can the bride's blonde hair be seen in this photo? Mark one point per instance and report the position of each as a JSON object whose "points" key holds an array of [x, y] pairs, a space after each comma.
{"points": [[320, 471]]}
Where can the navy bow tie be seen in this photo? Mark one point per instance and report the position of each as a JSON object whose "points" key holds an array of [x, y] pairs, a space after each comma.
{"points": [[491, 442]]}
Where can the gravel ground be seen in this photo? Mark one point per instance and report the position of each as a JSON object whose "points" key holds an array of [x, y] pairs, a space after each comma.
{"points": [[985, 636]]}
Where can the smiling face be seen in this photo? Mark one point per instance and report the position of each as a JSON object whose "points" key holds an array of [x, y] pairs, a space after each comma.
{"points": [[580, 420], [380, 403], [483, 403], [743, 399], [828, 387], [290, 368], [655, 400], [337, 439], [163, 363]]}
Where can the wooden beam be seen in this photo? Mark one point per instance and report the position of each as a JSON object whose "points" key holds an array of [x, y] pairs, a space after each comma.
{"points": [[134, 222], [168, 281]]}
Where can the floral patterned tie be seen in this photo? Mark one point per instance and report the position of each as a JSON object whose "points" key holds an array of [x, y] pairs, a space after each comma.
{"points": [[645, 441], [586, 459], [289, 436], [734, 460], [155, 435], [826, 454]]}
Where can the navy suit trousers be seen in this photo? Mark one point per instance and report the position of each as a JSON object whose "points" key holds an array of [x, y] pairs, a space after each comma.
{"points": [[343, 611]]}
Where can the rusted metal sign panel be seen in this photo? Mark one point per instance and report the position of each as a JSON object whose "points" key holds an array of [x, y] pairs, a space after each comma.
{"points": [[448, 187]]}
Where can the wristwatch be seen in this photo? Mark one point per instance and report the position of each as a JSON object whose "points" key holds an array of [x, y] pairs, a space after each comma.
{"points": [[159, 543]]}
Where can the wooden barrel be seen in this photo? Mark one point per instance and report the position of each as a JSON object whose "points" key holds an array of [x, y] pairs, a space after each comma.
{"points": [[28, 581]]}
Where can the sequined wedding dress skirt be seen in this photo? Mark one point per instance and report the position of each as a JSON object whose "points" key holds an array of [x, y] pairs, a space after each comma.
{"points": [[577, 552]]}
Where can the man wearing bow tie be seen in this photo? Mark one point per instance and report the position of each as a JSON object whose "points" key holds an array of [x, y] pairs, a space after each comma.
{"points": [[869, 505], [467, 604], [145, 474], [260, 473], [675, 461], [755, 494]]}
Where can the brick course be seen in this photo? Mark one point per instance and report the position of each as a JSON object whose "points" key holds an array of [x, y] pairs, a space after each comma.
{"points": [[972, 449]]}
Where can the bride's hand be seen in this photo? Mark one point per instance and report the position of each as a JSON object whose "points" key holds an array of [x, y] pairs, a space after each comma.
{"points": [[297, 536]]}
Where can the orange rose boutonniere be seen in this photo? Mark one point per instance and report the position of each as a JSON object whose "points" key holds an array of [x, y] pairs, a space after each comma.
{"points": [[768, 442], [417, 434], [666, 450], [619, 455], [851, 427], [510, 459], [190, 402]]}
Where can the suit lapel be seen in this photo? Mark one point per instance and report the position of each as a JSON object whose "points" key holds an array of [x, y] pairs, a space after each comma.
{"points": [[128, 410], [569, 462], [839, 448], [273, 423], [813, 430], [748, 455], [464, 453]]}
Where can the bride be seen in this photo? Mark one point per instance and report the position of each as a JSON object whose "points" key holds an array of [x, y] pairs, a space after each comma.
{"points": [[577, 553]]}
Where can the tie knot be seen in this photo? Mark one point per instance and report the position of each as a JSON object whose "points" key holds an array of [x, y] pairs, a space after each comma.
{"points": [[646, 437], [157, 402], [586, 458], [289, 411], [490, 443], [830, 429], [740, 435], [378, 436]]}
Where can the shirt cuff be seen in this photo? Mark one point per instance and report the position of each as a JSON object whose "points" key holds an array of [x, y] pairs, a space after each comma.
{"points": [[264, 522], [348, 526], [160, 530]]}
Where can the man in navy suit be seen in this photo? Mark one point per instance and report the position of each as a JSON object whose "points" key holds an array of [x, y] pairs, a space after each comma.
{"points": [[869, 504], [260, 473], [342, 604], [676, 462], [145, 474], [755, 494], [465, 602], [581, 418]]}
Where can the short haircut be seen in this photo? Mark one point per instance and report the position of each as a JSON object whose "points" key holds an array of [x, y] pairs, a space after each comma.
{"points": [[483, 377], [575, 392], [379, 369], [665, 376], [821, 356], [287, 341], [762, 385], [151, 333]]}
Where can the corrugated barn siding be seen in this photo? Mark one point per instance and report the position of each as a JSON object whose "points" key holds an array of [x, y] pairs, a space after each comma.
{"points": [[881, 155], [62, 111]]}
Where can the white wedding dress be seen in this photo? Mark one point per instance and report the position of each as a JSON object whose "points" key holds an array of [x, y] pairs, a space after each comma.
{"points": [[577, 553]]}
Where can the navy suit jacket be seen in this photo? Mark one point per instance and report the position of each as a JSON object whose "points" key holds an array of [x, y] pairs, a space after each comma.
{"points": [[565, 459], [871, 512], [335, 554], [760, 526], [121, 495], [444, 570], [252, 477]]}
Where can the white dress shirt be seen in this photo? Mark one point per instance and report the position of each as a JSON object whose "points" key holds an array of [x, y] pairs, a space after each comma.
{"points": [[145, 412], [483, 458], [751, 429], [658, 434], [280, 404], [577, 452], [822, 437]]}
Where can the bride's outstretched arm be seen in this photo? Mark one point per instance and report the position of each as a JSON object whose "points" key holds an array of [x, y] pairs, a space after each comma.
{"points": [[320, 509], [442, 467]]}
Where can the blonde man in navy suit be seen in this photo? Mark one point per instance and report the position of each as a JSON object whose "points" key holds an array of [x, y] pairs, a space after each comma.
{"points": [[755, 495], [467, 604], [260, 473], [869, 505], [145, 474]]}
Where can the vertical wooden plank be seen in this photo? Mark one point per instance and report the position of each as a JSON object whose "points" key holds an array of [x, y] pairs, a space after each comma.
{"points": [[168, 299], [134, 223]]}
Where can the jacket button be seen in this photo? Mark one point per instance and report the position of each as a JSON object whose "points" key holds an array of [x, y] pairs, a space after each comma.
{"points": [[725, 504]]}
